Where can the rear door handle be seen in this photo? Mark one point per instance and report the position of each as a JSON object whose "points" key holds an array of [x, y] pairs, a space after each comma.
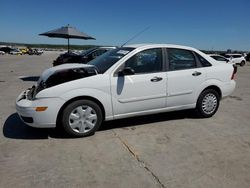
{"points": [[156, 79], [196, 73]]}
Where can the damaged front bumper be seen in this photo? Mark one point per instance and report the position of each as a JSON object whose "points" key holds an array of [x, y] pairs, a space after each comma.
{"points": [[26, 107]]}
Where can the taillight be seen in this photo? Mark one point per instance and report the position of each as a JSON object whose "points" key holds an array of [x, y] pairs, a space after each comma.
{"points": [[234, 72]]}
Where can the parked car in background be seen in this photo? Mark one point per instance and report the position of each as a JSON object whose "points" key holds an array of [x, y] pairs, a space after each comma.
{"points": [[220, 58], [24, 50], [2, 52], [38, 52], [83, 57], [237, 59], [16, 52], [35, 51], [128, 81], [6, 49]]}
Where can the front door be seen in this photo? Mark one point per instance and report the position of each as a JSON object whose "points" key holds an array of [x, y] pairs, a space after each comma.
{"points": [[144, 89]]}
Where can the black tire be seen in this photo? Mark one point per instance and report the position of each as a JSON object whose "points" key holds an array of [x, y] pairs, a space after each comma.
{"points": [[242, 63], [213, 101], [72, 109]]}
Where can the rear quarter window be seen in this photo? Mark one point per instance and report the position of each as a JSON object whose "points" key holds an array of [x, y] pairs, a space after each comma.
{"points": [[203, 61]]}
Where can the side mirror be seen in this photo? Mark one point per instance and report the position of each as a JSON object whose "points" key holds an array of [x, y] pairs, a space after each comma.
{"points": [[126, 71]]}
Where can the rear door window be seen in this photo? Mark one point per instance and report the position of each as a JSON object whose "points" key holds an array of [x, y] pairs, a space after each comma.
{"points": [[180, 59]]}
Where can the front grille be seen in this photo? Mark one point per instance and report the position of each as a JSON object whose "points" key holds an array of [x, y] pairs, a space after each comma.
{"points": [[27, 119]]}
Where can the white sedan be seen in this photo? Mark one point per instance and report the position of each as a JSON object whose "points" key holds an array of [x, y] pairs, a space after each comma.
{"points": [[129, 81]]}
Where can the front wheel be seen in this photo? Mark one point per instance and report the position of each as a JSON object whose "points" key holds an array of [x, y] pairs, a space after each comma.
{"points": [[208, 103], [81, 118]]}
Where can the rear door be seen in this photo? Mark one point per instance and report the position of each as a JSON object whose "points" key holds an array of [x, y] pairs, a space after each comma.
{"points": [[185, 75]]}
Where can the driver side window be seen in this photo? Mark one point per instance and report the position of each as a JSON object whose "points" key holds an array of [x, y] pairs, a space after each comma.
{"points": [[147, 61]]}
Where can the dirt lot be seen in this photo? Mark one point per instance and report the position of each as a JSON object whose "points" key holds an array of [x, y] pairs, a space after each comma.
{"points": [[165, 150]]}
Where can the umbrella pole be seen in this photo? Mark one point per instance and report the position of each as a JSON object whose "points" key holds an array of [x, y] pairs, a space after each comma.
{"points": [[68, 45]]}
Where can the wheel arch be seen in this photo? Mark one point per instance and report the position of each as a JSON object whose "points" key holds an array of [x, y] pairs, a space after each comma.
{"points": [[80, 98], [214, 87]]}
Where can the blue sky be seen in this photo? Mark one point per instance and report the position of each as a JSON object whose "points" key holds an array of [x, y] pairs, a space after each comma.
{"points": [[213, 24]]}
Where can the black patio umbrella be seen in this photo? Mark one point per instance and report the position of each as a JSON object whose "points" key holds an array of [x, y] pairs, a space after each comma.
{"points": [[67, 32]]}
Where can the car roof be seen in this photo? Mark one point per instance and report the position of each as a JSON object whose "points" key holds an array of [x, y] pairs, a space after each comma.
{"points": [[149, 45]]}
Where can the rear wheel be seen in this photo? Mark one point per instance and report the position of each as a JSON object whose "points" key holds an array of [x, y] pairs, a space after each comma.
{"points": [[81, 118], [242, 63], [208, 103]]}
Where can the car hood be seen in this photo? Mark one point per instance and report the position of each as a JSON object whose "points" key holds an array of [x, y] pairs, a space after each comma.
{"points": [[47, 73], [62, 74]]}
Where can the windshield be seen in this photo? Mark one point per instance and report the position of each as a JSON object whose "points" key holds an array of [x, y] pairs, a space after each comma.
{"points": [[105, 61]]}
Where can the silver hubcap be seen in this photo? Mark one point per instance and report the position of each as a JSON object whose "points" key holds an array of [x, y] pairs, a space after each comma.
{"points": [[209, 103], [82, 119]]}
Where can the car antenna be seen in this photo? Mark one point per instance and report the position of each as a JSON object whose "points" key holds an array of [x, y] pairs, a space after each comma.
{"points": [[136, 35]]}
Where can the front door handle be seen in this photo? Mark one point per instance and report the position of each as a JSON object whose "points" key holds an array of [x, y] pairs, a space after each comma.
{"points": [[156, 79], [196, 73]]}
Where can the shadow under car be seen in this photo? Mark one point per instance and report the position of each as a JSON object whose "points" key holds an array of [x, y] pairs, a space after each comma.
{"points": [[14, 128]]}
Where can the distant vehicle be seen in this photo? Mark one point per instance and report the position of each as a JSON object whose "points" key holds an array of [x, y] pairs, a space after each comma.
{"points": [[237, 59], [83, 57], [24, 50], [16, 52], [38, 52], [2, 52], [30, 51], [6, 49], [220, 58], [35, 52], [129, 81]]}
